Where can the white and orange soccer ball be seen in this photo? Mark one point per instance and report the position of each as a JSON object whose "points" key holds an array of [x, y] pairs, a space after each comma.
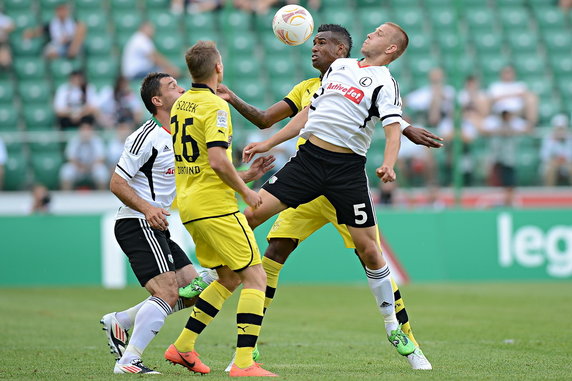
{"points": [[293, 24]]}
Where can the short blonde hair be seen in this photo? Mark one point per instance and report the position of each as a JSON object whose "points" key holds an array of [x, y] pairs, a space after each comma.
{"points": [[401, 39], [201, 59]]}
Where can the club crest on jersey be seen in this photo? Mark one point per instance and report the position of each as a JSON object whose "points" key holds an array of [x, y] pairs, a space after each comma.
{"points": [[365, 81], [353, 94]]}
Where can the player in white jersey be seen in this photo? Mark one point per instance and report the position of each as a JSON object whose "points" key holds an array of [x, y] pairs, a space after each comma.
{"points": [[338, 124], [144, 180]]}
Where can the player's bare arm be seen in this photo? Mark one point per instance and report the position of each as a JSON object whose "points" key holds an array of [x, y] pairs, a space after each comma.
{"points": [[224, 169], [392, 142], [291, 130], [422, 137], [258, 168], [154, 215], [260, 118]]}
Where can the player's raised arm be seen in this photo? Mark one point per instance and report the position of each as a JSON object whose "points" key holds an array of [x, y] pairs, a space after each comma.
{"points": [[258, 168], [422, 137], [291, 130], [260, 118]]}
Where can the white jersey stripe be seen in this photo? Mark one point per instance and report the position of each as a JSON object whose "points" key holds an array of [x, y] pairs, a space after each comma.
{"points": [[155, 247]]}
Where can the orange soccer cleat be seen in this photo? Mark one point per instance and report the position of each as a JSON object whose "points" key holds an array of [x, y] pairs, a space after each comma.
{"points": [[189, 360], [252, 371]]}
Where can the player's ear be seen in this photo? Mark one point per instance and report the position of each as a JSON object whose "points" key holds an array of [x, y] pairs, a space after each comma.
{"points": [[157, 101], [391, 49], [218, 67]]}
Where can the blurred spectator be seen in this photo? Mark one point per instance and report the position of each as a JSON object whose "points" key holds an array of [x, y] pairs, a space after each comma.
{"points": [[474, 101], [262, 7], [140, 57], [6, 27], [75, 102], [65, 34], [40, 199], [556, 152], [514, 97], [119, 105], [195, 6], [3, 158], [117, 143], [502, 131], [85, 153], [565, 5]]}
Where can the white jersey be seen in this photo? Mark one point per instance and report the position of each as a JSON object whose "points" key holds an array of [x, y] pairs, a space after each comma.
{"points": [[148, 165], [351, 100]]}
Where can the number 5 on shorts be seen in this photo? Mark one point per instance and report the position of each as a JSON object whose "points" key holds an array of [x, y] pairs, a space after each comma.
{"points": [[361, 216]]}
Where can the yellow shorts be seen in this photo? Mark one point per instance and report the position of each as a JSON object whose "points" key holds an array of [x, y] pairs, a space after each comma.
{"points": [[224, 241]]}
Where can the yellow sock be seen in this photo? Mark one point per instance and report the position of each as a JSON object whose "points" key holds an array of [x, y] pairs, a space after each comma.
{"points": [[272, 269], [401, 313], [209, 303], [249, 316]]}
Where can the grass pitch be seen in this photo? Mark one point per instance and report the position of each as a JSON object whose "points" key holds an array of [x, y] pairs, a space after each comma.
{"points": [[468, 331]]}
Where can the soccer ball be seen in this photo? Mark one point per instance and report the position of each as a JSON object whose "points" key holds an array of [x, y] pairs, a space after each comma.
{"points": [[293, 24]]}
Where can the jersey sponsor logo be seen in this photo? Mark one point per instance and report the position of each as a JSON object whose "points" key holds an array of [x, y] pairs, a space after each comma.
{"points": [[365, 81], [194, 170], [353, 94], [221, 119], [170, 171]]}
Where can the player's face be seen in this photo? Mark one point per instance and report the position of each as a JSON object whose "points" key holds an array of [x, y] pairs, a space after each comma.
{"points": [[170, 92], [378, 42], [326, 50]]}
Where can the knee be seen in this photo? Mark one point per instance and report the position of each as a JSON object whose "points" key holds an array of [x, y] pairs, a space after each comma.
{"points": [[230, 284], [251, 217], [279, 249], [169, 294]]}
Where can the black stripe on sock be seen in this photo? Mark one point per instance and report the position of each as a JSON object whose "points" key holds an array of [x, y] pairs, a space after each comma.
{"points": [[246, 341], [163, 304], [270, 291], [195, 325], [402, 317], [245, 318], [397, 295], [206, 307]]}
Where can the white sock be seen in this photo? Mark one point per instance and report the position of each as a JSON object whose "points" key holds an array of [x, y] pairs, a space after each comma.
{"points": [[127, 318], [180, 305], [148, 322], [209, 276], [380, 285]]}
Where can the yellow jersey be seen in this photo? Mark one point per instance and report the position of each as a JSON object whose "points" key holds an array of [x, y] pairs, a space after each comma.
{"points": [[301, 96], [201, 120]]}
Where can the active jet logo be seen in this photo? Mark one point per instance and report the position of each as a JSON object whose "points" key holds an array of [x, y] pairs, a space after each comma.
{"points": [[170, 171], [353, 94]]}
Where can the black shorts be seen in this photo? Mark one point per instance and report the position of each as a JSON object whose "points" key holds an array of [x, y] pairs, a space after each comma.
{"points": [[338, 176], [150, 251]]}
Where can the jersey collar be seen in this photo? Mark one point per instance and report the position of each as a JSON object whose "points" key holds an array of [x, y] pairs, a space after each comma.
{"points": [[159, 124], [359, 63], [201, 86]]}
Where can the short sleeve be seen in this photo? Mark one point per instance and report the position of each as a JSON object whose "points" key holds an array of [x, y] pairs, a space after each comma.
{"points": [[133, 157], [389, 103], [294, 98], [218, 126]]}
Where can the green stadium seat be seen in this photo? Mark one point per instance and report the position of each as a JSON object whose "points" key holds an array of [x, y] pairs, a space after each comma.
{"points": [[420, 44], [26, 47], [17, 4], [124, 5], [201, 22], [231, 20], [439, 4], [562, 64], [420, 67], [95, 20], [46, 168], [450, 42], [88, 4], [39, 116], [540, 86], [241, 44], [514, 17], [443, 18], [164, 19], [242, 66], [192, 36], [99, 44], [367, 3], [34, 91], [61, 68], [341, 16], [126, 21], [510, 3], [402, 4], [547, 108], [280, 87], [45, 143], [16, 170], [6, 91], [565, 86], [157, 4], [263, 23], [558, 41], [170, 43], [550, 18], [283, 68], [23, 19], [8, 117], [272, 46], [29, 68], [459, 67], [251, 91], [492, 64], [487, 41], [527, 65], [480, 18], [411, 19], [522, 42], [372, 17]]}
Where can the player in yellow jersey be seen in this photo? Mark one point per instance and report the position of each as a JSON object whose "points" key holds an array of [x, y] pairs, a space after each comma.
{"points": [[206, 184], [295, 225]]}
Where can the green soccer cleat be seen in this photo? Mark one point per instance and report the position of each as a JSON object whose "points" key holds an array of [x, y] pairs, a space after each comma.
{"points": [[193, 289], [401, 342]]}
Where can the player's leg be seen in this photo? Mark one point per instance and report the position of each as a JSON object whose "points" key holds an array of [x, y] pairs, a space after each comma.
{"points": [[150, 259], [269, 207]]}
